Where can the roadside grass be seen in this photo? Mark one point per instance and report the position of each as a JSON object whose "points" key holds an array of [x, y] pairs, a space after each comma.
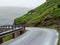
{"points": [[9, 37], [40, 13], [59, 37], [54, 27]]}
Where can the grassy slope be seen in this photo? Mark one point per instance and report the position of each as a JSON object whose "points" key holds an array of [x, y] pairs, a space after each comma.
{"points": [[37, 14], [40, 13]]}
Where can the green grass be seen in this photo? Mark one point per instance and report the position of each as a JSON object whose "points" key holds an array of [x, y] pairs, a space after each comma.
{"points": [[40, 18], [59, 37], [53, 27], [7, 38], [56, 13], [40, 13]]}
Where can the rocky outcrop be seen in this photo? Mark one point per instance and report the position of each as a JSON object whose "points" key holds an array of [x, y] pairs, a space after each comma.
{"points": [[58, 25], [31, 12], [58, 5]]}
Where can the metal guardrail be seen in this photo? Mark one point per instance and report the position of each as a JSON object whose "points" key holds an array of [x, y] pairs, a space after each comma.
{"points": [[3, 34], [10, 32], [4, 28]]}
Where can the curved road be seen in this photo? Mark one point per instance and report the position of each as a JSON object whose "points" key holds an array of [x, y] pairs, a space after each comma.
{"points": [[35, 36]]}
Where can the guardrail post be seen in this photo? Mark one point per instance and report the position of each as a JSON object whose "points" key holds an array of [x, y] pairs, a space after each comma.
{"points": [[16, 34], [13, 35], [24, 27], [1, 40]]}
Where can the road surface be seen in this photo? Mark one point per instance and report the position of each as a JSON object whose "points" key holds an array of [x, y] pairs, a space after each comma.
{"points": [[35, 36]]}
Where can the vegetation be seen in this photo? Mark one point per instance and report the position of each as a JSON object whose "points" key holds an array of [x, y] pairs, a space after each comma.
{"points": [[50, 7], [40, 12], [36, 19], [59, 38], [7, 38]]}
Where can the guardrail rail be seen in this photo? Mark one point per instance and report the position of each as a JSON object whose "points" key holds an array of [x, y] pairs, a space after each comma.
{"points": [[13, 32]]}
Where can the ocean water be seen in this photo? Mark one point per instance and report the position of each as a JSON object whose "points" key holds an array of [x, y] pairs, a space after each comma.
{"points": [[8, 14]]}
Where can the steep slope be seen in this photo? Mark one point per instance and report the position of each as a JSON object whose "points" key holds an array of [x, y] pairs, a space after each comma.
{"points": [[40, 12], [46, 15]]}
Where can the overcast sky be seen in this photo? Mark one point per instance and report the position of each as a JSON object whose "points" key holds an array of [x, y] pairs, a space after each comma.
{"points": [[21, 3]]}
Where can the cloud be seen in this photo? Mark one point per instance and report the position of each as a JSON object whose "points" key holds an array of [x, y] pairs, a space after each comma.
{"points": [[21, 3]]}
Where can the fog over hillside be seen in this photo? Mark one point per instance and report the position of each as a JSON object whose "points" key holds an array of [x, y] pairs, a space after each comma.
{"points": [[8, 14], [11, 9]]}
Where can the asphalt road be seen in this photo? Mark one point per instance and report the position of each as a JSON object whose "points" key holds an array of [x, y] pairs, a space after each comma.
{"points": [[35, 36]]}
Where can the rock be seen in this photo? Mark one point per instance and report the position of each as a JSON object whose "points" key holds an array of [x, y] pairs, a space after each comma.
{"points": [[31, 11], [48, 17], [47, 0], [58, 5], [58, 25]]}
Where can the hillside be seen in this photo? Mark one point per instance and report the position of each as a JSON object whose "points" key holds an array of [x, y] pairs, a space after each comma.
{"points": [[39, 14], [46, 15]]}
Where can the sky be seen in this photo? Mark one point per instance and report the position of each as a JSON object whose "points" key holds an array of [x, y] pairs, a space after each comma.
{"points": [[21, 3]]}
